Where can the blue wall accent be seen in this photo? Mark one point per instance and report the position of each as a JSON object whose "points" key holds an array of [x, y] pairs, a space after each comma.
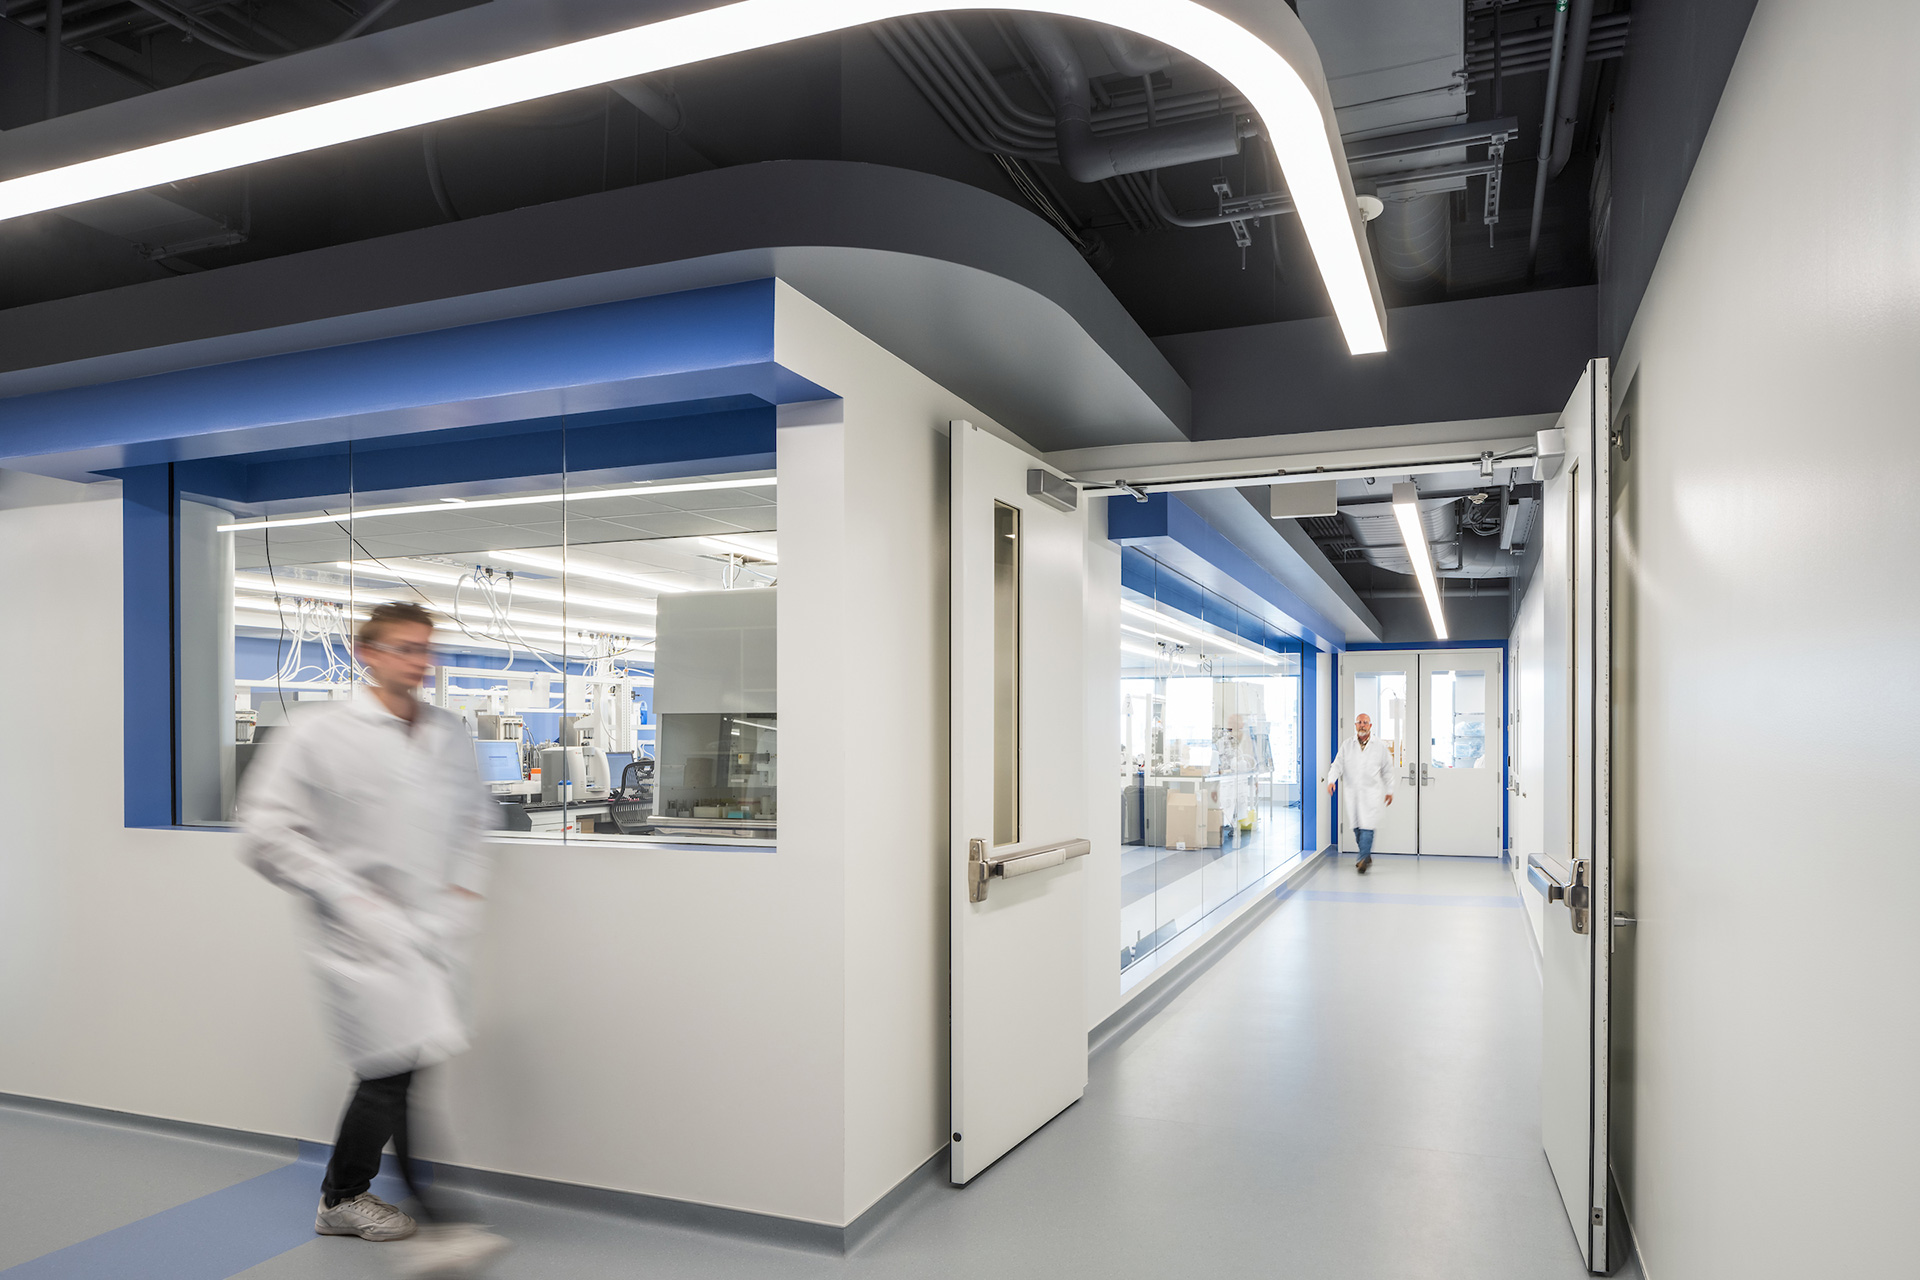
{"points": [[673, 348], [148, 538], [1180, 537], [1310, 661], [526, 454]]}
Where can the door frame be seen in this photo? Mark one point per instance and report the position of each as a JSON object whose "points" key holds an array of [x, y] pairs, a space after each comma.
{"points": [[1506, 747]]}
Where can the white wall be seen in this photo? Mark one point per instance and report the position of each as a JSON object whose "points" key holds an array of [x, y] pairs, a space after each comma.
{"points": [[764, 1031], [1765, 623]]}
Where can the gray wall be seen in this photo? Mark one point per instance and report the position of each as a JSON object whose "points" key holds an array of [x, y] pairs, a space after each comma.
{"points": [[1449, 361], [1403, 620], [1764, 781], [1678, 56]]}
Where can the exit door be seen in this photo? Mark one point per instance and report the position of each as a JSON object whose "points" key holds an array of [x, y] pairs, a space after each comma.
{"points": [[1438, 712], [1574, 872], [1017, 962]]}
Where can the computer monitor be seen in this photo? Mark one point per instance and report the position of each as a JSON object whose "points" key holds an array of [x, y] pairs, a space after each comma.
{"points": [[499, 761]]}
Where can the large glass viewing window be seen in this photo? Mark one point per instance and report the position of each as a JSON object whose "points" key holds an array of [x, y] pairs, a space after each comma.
{"points": [[1210, 800], [607, 636]]}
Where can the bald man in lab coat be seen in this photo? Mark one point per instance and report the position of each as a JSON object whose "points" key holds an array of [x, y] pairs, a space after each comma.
{"points": [[1366, 766]]}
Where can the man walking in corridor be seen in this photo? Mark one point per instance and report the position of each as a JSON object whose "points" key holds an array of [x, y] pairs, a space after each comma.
{"points": [[1367, 767], [373, 813]]}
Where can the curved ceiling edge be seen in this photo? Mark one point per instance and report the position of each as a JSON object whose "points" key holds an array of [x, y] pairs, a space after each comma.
{"points": [[1261, 49], [941, 273]]}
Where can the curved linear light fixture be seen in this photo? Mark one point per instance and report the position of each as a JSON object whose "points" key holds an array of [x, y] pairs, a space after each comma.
{"points": [[1295, 123]]}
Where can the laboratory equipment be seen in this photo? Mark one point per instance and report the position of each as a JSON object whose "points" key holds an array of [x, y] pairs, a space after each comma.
{"points": [[498, 761], [570, 774], [499, 727]]}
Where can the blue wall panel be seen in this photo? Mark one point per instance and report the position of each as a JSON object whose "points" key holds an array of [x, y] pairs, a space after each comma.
{"points": [[147, 550]]}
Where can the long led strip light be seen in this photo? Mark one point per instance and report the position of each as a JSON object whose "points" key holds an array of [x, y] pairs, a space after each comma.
{"points": [[474, 504], [1286, 107], [1406, 510]]}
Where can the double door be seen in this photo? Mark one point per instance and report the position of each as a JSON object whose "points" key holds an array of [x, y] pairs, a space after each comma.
{"points": [[1438, 712]]}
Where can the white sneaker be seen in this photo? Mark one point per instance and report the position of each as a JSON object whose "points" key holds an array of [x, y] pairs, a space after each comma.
{"points": [[449, 1252], [366, 1216]]}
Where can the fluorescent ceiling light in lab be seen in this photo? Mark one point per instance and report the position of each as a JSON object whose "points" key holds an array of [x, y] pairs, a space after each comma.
{"points": [[578, 568], [1140, 650], [741, 547], [1406, 510], [1292, 118], [407, 570], [1198, 634], [476, 504], [321, 591]]}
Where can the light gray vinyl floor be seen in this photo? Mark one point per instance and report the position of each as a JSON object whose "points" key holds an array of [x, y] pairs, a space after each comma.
{"points": [[1350, 1093]]}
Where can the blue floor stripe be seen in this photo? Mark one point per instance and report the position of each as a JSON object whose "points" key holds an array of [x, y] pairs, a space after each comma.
{"points": [[1409, 899], [213, 1237]]}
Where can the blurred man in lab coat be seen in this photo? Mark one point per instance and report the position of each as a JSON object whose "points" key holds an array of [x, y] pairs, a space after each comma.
{"points": [[1365, 764], [372, 812]]}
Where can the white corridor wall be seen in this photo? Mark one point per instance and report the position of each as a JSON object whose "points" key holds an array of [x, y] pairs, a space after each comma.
{"points": [[1765, 624]]}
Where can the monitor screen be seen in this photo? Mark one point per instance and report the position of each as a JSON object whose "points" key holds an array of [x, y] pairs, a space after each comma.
{"points": [[499, 761]]}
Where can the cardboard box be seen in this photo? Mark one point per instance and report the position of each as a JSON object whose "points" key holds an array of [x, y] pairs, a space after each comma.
{"points": [[1210, 836], [1183, 821]]}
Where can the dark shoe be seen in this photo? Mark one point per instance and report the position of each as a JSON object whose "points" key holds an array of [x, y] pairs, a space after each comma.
{"points": [[1362, 865]]}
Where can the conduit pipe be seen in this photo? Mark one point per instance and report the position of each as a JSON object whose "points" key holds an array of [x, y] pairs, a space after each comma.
{"points": [[1090, 158], [1130, 56], [1573, 65], [1546, 130]]}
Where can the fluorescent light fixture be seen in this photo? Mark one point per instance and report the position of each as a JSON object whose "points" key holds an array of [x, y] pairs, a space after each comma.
{"points": [[1292, 118], [1406, 510], [345, 595], [739, 547], [474, 504], [406, 570], [1142, 651], [581, 569], [453, 637], [1204, 637]]}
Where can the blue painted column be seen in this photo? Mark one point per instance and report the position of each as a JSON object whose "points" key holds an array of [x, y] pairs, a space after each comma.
{"points": [[147, 569], [1309, 751]]}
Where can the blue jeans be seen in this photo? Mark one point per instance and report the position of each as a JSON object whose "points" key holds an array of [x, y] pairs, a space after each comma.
{"points": [[1363, 836]]}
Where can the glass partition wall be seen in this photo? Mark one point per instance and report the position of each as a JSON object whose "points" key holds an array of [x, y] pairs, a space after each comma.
{"points": [[608, 638], [1209, 754]]}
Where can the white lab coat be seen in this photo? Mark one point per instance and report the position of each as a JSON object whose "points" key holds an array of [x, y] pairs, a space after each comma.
{"points": [[371, 823], [1368, 772]]}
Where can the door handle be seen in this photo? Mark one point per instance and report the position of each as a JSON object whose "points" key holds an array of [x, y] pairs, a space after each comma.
{"points": [[1576, 892], [1018, 860]]}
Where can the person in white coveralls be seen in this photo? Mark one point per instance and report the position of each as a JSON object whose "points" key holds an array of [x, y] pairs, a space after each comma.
{"points": [[373, 813], [1366, 766]]}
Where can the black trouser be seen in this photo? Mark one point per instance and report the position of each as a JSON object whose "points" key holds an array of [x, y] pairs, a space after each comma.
{"points": [[376, 1113]]}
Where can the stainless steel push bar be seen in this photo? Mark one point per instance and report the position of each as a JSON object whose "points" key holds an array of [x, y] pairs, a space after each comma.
{"points": [[984, 864]]}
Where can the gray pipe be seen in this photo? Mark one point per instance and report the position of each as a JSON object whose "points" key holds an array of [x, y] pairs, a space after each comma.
{"points": [[1131, 56], [1090, 158], [54, 49], [1579, 28], [1546, 131]]}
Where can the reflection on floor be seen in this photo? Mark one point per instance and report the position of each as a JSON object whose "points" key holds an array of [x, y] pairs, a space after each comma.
{"points": [[1350, 1093], [1166, 892]]}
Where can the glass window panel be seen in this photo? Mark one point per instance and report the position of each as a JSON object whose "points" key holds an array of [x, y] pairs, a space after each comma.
{"points": [[1459, 718], [1006, 674]]}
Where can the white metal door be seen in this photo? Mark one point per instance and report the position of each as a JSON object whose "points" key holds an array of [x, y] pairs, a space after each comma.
{"points": [[1384, 686], [1574, 872], [1460, 765], [1018, 805]]}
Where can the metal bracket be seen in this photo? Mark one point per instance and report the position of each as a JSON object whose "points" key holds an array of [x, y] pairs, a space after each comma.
{"points": [[1241, 236]]}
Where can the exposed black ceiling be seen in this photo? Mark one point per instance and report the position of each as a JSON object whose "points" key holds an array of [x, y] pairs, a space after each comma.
{"points": [[861, 96]]}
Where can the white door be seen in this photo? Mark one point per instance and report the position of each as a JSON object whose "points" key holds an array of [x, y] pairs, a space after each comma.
{"points": [[1460, 765], [1018, 805], [1384, 686], [1573, 874]]}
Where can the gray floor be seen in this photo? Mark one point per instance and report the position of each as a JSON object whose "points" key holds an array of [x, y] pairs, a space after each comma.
{"points": [[1351, 1092]]}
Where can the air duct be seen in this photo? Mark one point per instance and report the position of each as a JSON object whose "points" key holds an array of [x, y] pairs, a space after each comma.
{"points": [[1410, 237], [1089, 157]]}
